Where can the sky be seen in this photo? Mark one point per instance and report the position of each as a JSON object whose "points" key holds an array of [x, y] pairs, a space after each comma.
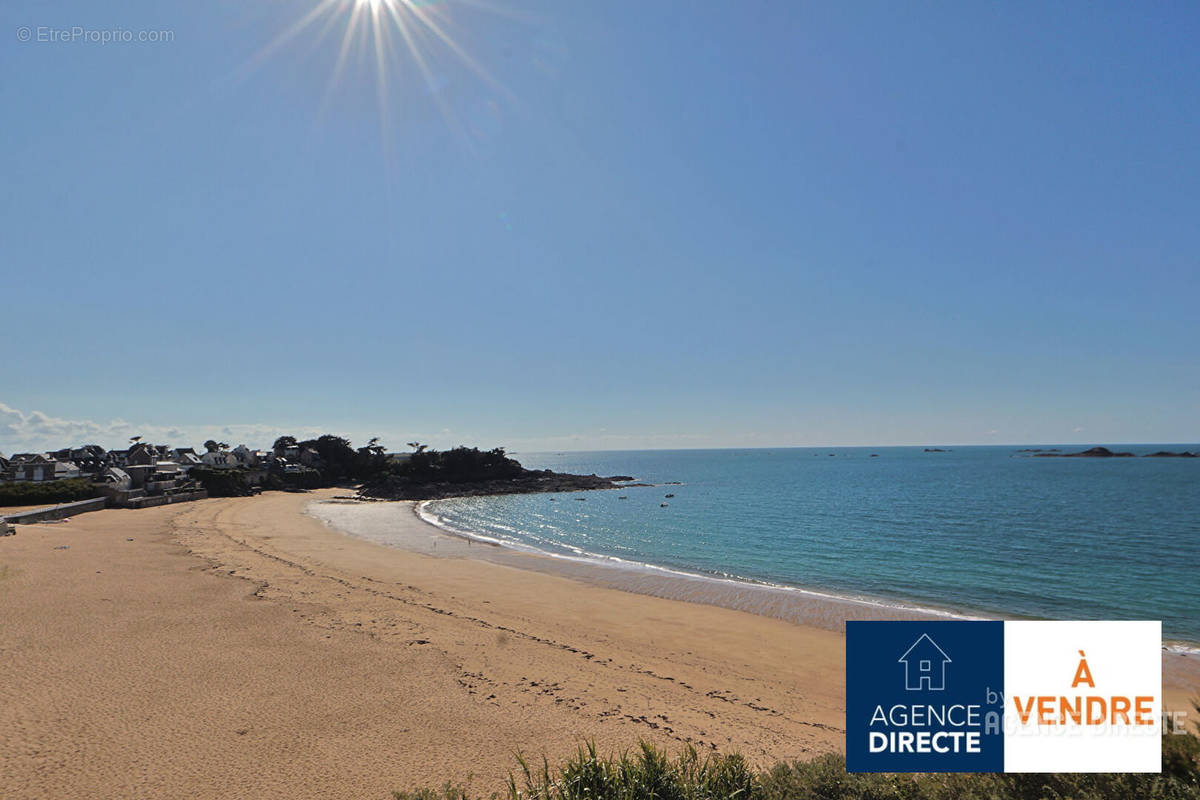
{"points": [[567, 226]]}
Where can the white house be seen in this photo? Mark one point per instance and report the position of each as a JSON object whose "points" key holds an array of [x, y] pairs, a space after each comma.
{"points": [[66, 469], [248, 457], [219, 459]]}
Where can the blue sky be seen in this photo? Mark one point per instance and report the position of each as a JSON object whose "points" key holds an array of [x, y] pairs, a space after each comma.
{"points": [[603, 225]]}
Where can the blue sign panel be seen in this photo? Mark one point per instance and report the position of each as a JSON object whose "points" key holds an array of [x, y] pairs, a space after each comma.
{"points": [[924, 696]]}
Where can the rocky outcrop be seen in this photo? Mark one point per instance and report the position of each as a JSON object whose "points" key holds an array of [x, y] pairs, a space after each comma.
{"points": [[1167, 454], [529, 482], [1095, 452]]}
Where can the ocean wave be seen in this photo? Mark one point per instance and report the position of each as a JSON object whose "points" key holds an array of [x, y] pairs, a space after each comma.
{"points": [[600, 560]]}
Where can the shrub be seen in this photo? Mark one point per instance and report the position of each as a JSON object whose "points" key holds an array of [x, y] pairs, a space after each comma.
{"points": [[649, 774], [30, 493], [222, 482]]}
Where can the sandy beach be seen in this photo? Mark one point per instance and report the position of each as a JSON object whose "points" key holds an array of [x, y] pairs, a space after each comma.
{"points": [[241, 648]]}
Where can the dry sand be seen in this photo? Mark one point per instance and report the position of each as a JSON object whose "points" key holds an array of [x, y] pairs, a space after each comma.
{"points": [[239, 648]]}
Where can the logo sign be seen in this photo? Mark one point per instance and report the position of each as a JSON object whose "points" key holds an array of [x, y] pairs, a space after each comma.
{"points": [[967, 696]]}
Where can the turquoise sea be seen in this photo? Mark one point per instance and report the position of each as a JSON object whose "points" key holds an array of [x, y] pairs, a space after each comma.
{"points": [[976, 530]]}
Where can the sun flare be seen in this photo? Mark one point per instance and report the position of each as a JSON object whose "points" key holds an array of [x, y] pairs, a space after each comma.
{"points": [[403, 38]]}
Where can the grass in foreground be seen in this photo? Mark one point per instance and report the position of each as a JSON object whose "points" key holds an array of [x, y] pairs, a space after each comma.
{"points": [[650, 774]]}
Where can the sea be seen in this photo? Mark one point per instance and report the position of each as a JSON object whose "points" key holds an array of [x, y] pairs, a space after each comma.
{"points": [[805, 533]]}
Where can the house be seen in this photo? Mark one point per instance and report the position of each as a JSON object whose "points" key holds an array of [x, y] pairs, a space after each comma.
{"points": [[117, 458], [65, 470], [166, 476], [89, 458], [32, 467], [142, 455], [4, 465], [219, 459], [245, 456], [186, 459], [924, 665], [115, 477], [154, 478]]}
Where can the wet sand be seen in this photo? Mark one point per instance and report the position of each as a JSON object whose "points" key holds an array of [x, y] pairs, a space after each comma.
{"points": [[241, 648]]}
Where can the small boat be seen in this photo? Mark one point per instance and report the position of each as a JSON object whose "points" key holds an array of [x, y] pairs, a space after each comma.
{"points": [[662, 505], [668, 495]]}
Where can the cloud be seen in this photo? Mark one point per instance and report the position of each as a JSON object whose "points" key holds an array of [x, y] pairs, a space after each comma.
{"points": [[36, 431]]}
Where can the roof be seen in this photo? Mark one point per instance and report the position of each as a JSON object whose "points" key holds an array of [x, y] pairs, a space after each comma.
{"points": [[927, 642]]}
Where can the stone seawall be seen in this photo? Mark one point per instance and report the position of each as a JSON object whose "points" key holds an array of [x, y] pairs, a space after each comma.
{"points": [[166, 499], [64, 510], [60, 511]]}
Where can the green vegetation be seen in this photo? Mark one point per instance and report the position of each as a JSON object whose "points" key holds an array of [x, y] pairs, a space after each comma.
{"points": [[649, 774], [460, 465], [30, 493], [222, 482], [236, 482], [426, 474]]}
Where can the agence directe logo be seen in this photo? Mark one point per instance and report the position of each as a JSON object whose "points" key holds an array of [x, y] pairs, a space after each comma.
{"points": [[991, 696]]}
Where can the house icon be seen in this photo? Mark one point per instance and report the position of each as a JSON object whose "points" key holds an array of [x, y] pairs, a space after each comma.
{"points": [[924, 665]]}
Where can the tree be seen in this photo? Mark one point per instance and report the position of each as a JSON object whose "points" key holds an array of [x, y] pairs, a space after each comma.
{"points": [[212, 446], [418, 447], [337, 456], [283, 443], [134, 439]]}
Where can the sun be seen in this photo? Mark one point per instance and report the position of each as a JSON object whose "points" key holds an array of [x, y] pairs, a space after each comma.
{"points": [[405, 39]]}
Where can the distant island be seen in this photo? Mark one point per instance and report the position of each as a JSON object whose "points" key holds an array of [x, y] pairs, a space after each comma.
{"points": [[1104, 452]]}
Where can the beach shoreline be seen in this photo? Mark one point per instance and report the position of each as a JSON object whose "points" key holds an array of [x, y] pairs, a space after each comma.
{"points": [[796, 604], [243, 647]]}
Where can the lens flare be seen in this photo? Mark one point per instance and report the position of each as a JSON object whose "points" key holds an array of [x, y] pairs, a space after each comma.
{"points": [[402, 37]]}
